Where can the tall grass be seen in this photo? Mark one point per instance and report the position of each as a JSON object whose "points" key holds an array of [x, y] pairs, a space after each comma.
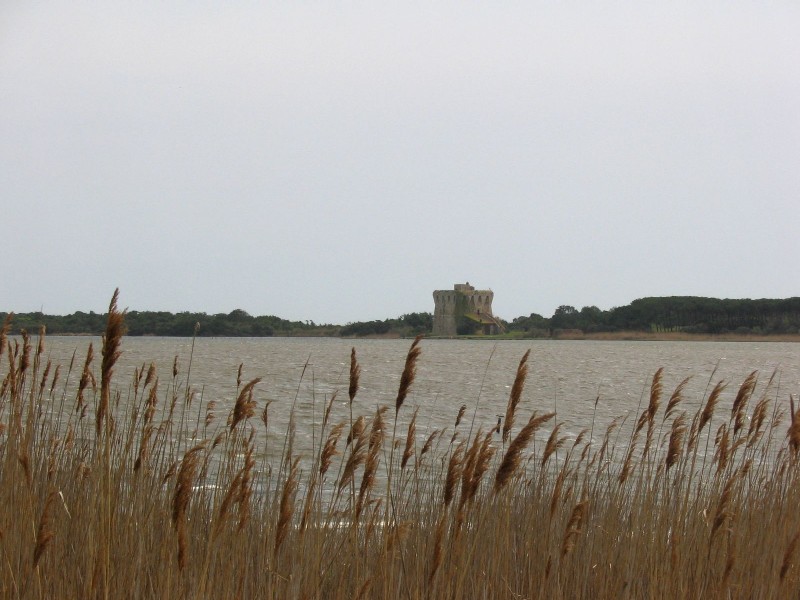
{"points": [[132, 489]]}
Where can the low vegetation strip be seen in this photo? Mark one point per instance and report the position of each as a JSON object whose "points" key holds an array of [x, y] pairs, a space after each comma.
{"points": [[139, 489]]}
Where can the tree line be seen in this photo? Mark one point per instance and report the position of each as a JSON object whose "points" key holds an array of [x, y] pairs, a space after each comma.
{"points": [[690, 314]]}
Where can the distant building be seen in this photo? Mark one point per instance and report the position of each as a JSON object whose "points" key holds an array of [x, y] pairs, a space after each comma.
{"points": [[464, 310]]}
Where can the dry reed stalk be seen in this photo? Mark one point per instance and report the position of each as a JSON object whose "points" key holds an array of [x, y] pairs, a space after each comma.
{"points": [[409, 373], [43, 381], [246, 486], [329, 450], [711, 403], [358, 454], [511, 460], [151, 375], [676, 397], [373, 458], [115, 329], [754, 432], [25, 358], [436, 559], [723, 450], [793, 433], [655, 394], [4, 332], [328, 409], [740, 402], [141, 457], [554, 443], [559, 485], [453, 472], [460, 415], [231, 496], [408, 451], [429, 443], [468, 467], [286, 511], [245, 405], [355, 430], [355, 375], [482, 462], [627, 464], [722, 514], [676, 440], [86, 378], [44, 533], [364, 589], [515, 395], [786, 564], [181, 497], [574, 527]]}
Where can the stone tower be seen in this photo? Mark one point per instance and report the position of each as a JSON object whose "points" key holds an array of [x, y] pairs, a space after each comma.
{"points": [[464, 310]]}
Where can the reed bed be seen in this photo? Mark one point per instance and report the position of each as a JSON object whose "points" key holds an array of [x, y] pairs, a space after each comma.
{"points": [[134, 489]]}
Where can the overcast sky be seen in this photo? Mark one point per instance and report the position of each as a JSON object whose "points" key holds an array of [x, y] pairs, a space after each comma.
{"points": [[338, 162]]}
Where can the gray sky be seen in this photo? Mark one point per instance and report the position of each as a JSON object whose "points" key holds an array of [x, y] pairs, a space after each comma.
{"points": [[340, 161]]}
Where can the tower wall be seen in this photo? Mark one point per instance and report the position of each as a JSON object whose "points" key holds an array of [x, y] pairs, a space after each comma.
{"points": [[451, 305]]}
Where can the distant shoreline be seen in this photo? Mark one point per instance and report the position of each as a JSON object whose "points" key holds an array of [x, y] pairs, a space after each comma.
{"points": [[641, 336]]}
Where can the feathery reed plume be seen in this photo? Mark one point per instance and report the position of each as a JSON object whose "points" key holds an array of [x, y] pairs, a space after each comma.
{"points": [[409, 373], [409, 448], [286, 507], [676, 397], [460, 415], [723, 450], [676, 440], [648, 416], [25, 359], [355, 430], [358, 454], [554, 443], [757, 421], [44, 533], [482, 461], [115, 329], [329, 450], [355, 375], [711, 403], [373, 457], [468, 467], [327, 410], [740, 402], [628, 462], [180, 499], [511, 459], [429, 443], [86, 378], [574, 527], [793, 433], [787, 556], [516, 394], [245, 405], [453, 472]]}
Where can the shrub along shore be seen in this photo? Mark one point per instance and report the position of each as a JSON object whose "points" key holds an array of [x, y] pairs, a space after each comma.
{"points": [[129, 489]]}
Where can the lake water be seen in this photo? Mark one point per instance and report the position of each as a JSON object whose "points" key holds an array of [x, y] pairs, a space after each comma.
{"points": [[564, 376]]}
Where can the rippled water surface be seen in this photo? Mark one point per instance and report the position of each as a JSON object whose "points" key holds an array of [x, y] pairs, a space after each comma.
{"points": [[564, 376]]}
